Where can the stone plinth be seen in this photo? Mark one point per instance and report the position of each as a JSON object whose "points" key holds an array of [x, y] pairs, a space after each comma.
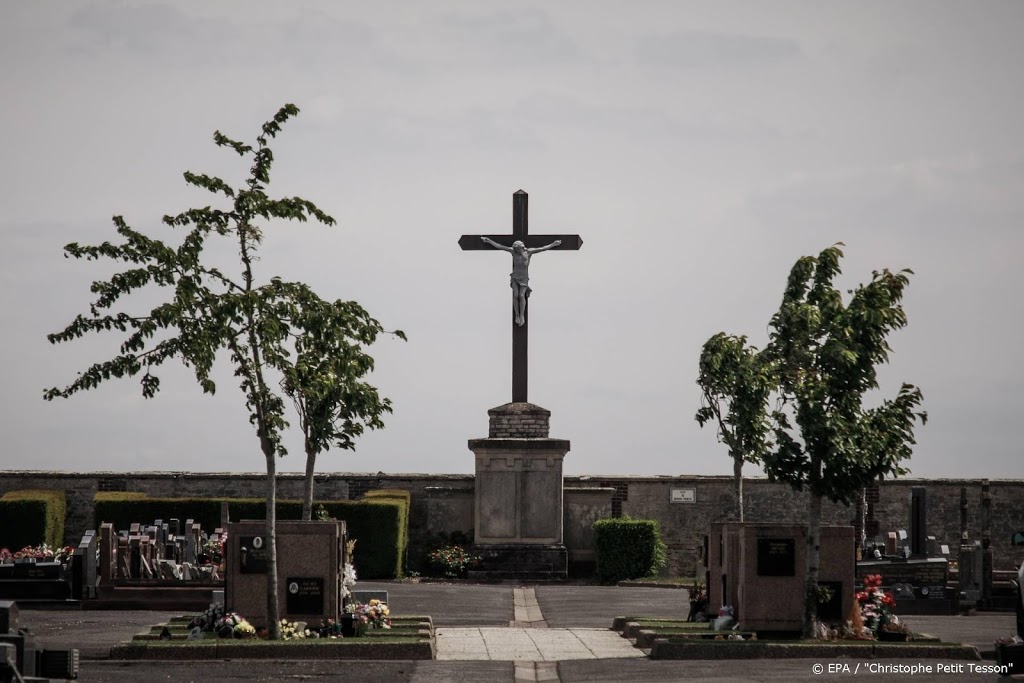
{"points": [[771, 566], [518, 492], [519, 421], [310, 558], [517, 500]]}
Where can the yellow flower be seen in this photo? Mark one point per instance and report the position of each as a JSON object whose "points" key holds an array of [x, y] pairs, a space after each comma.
{"points": [[374, 602]]}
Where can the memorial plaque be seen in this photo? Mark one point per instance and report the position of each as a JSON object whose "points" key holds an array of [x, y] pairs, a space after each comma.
{"points": [[305, 595], [684, 496], [776, 557], [253, 555]]}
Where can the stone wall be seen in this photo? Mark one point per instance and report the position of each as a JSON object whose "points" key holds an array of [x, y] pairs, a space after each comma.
{"points": [[442, 504]]}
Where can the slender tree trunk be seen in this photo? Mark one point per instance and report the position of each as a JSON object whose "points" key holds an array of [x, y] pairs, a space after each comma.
{"points": [[737, 473], [813, 562], [307, 496], [273, 612]]}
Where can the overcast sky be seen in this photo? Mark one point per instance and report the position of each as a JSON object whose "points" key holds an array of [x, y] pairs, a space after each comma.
{"points": [[699, 148]]}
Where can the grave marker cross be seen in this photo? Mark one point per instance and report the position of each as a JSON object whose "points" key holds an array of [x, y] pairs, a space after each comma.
{"points": [[520, 232]]}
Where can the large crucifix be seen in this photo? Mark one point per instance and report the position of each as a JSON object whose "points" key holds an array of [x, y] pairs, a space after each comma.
{"points": [[521, 244]]}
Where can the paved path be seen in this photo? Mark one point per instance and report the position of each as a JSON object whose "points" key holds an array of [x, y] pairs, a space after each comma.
{"points": [[532, 644]]}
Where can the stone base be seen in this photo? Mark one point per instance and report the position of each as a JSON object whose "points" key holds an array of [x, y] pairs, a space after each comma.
{"points": [[521, 562]]}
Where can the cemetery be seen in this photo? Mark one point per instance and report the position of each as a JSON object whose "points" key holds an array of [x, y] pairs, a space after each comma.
{"points": [[236, 584], [830, 554]]}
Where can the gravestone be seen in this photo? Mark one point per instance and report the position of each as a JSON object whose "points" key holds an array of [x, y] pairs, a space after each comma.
{"points": [[518, 504], [891, 544], [83, 581], [108, 552], [918, 521], [310, 560], [926, 577], [191, 551]]}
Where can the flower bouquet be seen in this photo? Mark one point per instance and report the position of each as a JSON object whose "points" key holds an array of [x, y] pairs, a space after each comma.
{"points": [[452, 562], [875, 604], [373, 615]]}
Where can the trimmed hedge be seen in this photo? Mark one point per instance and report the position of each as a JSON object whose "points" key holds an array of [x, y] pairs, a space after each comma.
{"points": [[628, 549], [379, 525], [32, 517], [123, 509], [404, 498]]}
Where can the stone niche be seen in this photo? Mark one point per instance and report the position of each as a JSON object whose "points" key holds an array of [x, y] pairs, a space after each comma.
{"points": [[310, 559], [758, 569]]}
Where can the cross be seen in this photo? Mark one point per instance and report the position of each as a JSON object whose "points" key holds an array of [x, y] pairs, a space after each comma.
{"points": [[520, 232]]}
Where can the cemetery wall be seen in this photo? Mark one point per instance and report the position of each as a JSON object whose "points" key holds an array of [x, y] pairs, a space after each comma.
{"points": [[442, 503]]}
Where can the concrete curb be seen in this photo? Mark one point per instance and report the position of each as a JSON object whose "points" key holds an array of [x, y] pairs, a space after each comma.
{"points": [[422, 649]]}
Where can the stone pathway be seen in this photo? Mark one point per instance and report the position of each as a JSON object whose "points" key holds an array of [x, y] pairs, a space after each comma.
{"points": [[527, 610], [530, 643]]}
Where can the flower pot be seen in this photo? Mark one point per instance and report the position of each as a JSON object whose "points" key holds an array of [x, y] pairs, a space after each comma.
{"points": [[348, 625], [892, 636], [1010, 655]]}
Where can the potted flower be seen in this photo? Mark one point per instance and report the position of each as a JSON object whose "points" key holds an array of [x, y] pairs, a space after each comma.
{"points": [[452, 562], [1010, 653]]}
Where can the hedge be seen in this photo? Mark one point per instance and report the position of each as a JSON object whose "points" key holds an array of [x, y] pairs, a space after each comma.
{"points": [[628, 549], [379, 525], [32, 517], [404, 498], [124, 509]]}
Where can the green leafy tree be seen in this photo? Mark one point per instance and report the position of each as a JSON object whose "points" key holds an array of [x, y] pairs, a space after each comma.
{"points": [[207, 311], [325, 382], [827, 353], [736, 382]]}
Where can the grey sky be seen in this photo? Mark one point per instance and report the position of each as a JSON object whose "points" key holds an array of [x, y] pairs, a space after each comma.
{"points": [[699, 148]]}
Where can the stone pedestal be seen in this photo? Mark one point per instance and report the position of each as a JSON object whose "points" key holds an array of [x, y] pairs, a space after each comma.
{"points": [[310, 560], [518, 511]]}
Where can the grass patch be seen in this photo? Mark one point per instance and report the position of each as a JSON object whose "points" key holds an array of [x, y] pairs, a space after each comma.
{"points": [[408, 638]]}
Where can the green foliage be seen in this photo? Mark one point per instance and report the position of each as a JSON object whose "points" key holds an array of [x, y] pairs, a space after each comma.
{"points": [[628, 549], [404, 500], [451, 562], [379, 525], [277, 329], [827, 354], [124, 509], [325, 382], [31, 517], [736, 382], [378, 528]]}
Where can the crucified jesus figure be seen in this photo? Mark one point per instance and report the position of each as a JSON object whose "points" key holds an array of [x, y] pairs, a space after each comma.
{"points": [[520, 273]]}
